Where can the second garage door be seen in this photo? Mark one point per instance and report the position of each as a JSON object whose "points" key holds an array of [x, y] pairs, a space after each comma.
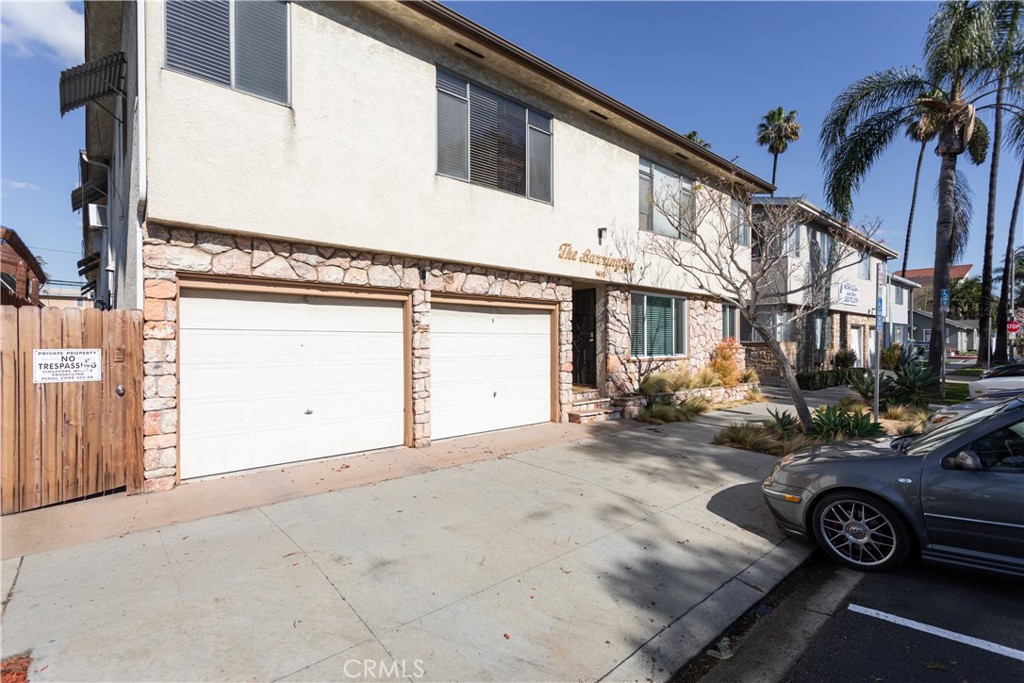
{"points": [[268, 379], [490, 368]]}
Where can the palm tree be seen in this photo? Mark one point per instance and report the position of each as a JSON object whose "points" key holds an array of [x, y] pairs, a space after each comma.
{"points": [[694, 137], [776, 130], [1003, 313], [1005, 16], [922, 130], [867, 116]]}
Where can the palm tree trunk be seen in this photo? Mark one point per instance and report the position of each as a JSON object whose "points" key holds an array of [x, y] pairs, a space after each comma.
{"points": [[985, 305], [1003, 313], [775, 166], [913, 205], [943, 236]]}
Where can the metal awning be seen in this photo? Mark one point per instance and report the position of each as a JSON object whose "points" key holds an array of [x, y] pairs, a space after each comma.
{"points": [[91, 81], [89, 193], [88, 264]]}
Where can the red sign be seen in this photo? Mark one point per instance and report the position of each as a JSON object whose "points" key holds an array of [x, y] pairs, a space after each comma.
{"points": [[1013, 326]]}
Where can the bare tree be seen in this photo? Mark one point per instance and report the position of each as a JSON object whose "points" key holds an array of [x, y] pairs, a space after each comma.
{"points": [[756, 261]]}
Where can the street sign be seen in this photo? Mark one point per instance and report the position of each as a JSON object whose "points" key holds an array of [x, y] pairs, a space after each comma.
{"points": [[944, 299], [1013, 326]]}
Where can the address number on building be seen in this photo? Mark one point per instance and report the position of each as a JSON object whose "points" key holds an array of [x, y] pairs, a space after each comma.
{"points": [[66, 365]]}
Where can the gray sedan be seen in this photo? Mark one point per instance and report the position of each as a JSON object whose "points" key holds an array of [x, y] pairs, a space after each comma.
{"points": [[956, 495]]}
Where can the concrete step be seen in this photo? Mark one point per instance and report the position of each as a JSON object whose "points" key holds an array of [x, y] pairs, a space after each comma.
{"points": [[584, 393], [591, 404], [591, 416]]}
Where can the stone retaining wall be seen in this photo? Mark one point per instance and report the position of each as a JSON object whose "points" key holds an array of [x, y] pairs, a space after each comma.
{"points": [[632, 405], [168, 252]]}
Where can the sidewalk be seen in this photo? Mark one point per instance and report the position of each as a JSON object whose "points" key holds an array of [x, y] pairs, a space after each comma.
{"points": [[615, 557]]}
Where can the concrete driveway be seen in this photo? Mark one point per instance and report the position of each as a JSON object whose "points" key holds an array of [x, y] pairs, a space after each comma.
{"points": [[618, 557]]}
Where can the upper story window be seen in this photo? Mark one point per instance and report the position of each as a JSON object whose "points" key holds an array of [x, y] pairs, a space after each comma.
{"points": [[243, 45], [490, 140], [657, 186], [657, 325], [899, 296], [739, 223], [865, 266]]}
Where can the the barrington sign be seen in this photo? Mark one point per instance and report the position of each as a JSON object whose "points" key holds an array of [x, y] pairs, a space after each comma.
{"points": [[66, 365]]}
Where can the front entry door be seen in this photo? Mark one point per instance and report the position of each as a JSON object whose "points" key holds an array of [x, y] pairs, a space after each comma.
{"points": [[584, 337]]}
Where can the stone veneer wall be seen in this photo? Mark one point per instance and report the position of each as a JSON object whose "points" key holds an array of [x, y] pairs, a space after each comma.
{"points": [[170, 251], [622, 372], [632, 405]]}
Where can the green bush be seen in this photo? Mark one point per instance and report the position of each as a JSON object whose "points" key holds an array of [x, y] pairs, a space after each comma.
{"points": [[823, 379], [655, 383], [863, 382], [662, 412], [912, 385], [862, 426], [829, 422], [891, 357], [784, 423], [760, 439], [845, 359]]}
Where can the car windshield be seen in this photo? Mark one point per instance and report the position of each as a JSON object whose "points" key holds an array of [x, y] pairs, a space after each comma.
{"points": [[928, 442]]}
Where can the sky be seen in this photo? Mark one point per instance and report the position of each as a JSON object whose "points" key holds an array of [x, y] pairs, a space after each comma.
{"points": [[713, 67]]}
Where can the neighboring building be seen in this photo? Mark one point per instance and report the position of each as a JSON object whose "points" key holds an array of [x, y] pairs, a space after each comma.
{"points": [[961, 335], [925, 297], [360, 225], [900, 296], [848, 319], [64, 294], [21, 276]]}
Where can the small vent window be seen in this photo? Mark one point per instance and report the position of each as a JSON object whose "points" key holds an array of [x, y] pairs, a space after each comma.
{"points": [[243, 45]]}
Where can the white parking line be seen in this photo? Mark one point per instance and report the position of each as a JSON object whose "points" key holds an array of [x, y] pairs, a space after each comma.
{"points": [[940, 632]]}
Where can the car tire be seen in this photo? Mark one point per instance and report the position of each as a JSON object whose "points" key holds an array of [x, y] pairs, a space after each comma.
{"points": [[861, 531]]}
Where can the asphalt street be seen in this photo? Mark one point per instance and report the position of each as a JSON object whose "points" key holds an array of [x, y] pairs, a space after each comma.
{"points": [[921, 623]]}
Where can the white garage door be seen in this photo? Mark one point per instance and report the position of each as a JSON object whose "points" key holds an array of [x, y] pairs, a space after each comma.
{"points": [[490, 368], [269, 379]]}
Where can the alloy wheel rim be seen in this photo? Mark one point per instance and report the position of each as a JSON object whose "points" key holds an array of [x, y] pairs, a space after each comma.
{"points": [[858, 533]]}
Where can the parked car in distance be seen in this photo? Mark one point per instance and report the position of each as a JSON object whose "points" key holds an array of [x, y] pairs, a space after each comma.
{"points": [[1005, 377], [870, 504], [947, 413]]}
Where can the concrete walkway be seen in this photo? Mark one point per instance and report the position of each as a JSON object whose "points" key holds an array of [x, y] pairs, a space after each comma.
{"points": [[618, 557]]}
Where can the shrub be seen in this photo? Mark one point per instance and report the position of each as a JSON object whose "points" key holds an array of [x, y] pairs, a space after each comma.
{"points": [[783, 423], [909, 428], [749, 376], [706, 377], [755, 395], [829, 422], [655, 383], [850, 404], [680, 378], [724, 363], [898, 413], [662, 412], [912, 385], [823, 379], [758, 438], [862, 426], [845, 358], [863, 382], [891, 357]]}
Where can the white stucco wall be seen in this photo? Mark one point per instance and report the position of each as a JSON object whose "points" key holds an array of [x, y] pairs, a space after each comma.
{"points": [[352, 161]]}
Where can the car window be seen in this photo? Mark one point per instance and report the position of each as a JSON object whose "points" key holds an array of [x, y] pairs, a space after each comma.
{"points": [[926, 443], [1003, 448]]}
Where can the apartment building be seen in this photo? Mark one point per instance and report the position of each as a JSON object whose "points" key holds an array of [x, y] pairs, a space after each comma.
{"points": [[810, 332], [359, 225]]}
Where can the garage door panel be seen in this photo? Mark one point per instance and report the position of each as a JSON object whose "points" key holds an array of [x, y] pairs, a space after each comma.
{"points": [[490, 369], [270, 379]]}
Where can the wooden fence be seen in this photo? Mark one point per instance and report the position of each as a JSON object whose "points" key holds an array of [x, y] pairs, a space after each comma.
{"points": [[67, 440]]}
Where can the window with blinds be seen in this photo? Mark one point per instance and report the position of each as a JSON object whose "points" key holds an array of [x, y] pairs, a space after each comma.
{"points": [[243, 45], [490, 140], [657, 325]]}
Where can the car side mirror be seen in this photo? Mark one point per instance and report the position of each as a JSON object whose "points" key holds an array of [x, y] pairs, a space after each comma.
{"points": [[964, 460]]}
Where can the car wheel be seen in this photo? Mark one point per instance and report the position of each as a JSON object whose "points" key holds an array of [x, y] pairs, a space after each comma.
{"points": [[861, 531]]}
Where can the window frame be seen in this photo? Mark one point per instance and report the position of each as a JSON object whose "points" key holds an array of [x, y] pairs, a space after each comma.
{"points": [[231, 55], [527, 128], [687, 183], [730, 321], [677, 303], [864, 267]]}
